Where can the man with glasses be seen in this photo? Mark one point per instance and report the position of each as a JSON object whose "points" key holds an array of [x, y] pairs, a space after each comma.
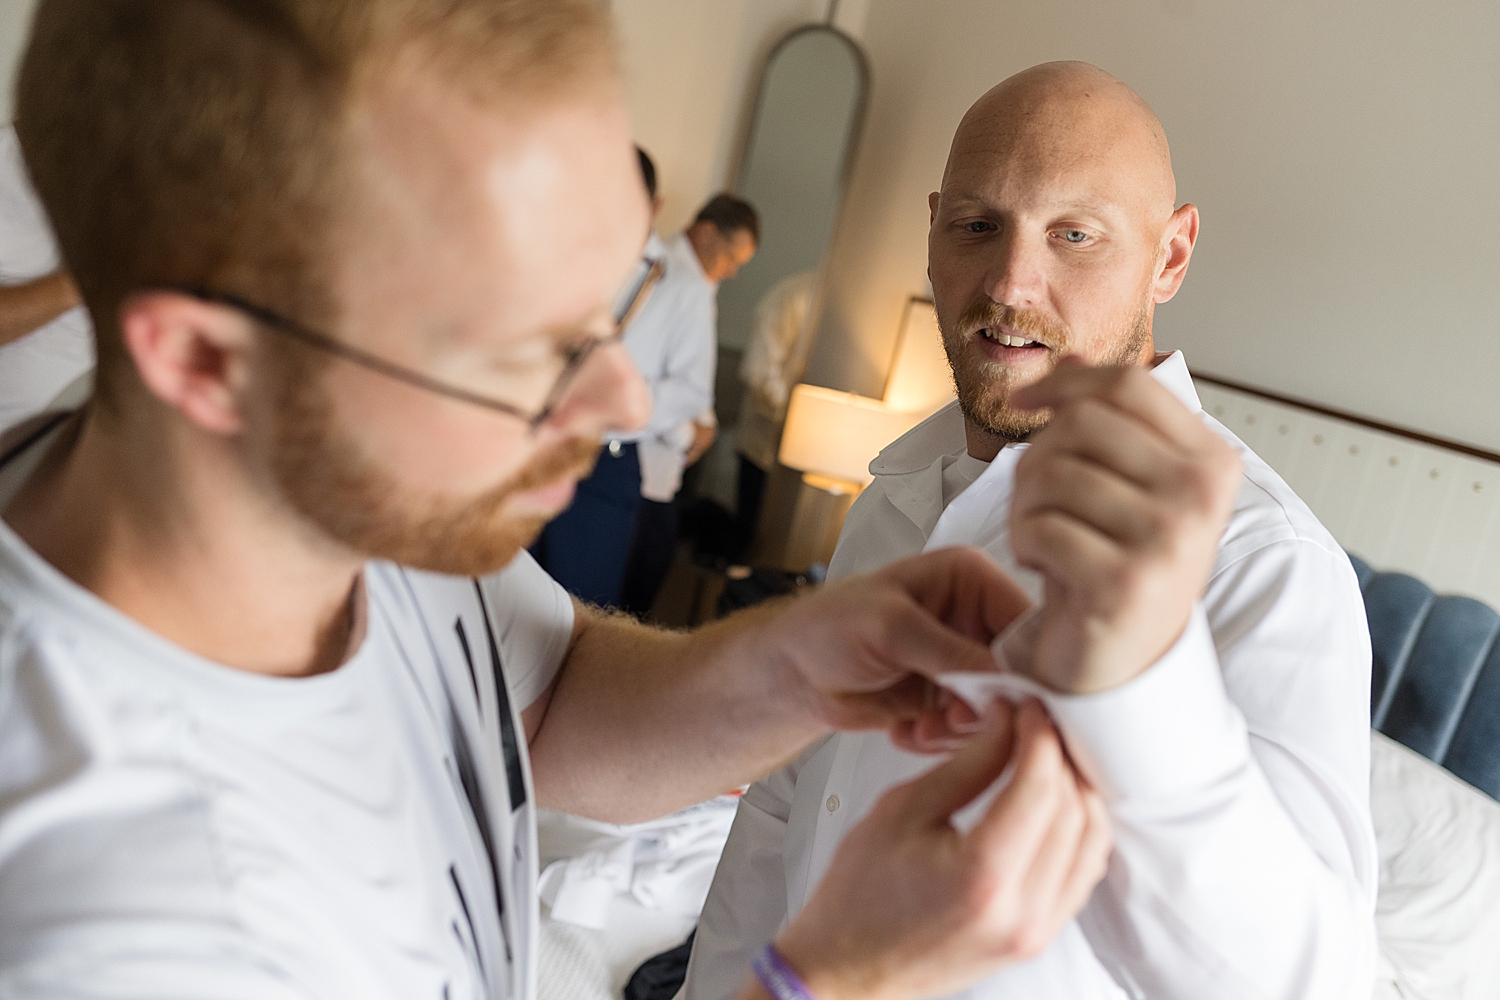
{"points": [[279, 689]]}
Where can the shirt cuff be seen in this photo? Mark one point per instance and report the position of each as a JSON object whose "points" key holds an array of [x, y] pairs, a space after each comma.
{"points": [[1169, 731]]}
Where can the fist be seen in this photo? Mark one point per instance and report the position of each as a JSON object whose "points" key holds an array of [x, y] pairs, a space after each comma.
{"points": [[1119, 504]]}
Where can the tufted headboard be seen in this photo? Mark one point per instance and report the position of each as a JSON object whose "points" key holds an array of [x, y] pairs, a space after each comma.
{"points": [[1435, 679]]}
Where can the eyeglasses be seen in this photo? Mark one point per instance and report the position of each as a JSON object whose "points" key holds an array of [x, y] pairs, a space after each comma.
{"points": [[569, 360]]}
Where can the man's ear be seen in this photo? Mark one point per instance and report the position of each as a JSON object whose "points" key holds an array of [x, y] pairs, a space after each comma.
{"points": [[932, 204], [192, 355], [1176, 250]]}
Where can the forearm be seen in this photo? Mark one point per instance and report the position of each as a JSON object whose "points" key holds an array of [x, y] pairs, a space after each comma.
{"points": [[645, 721], [1269, 920], [1216, 884], [27, 307]]}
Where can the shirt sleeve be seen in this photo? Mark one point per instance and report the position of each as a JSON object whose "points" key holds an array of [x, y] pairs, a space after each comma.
{"points": [[685, 387], [747, 902], [1236, 771], [533, 617]]}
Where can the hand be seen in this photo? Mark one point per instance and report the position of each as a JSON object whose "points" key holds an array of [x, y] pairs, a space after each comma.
{"points": [[1120, 503], [912, 908], [703, 436], [863, 649]]}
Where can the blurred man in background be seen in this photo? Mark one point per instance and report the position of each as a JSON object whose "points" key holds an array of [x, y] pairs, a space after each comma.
{"points": [[774, 361], [673, 342]]}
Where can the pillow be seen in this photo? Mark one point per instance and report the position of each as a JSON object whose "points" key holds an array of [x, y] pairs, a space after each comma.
{"points": [[1438, 913]]}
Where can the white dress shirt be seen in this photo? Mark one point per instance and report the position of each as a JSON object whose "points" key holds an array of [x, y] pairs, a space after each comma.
{"points": [[673, 341], [36, 367], [1235, 769]]}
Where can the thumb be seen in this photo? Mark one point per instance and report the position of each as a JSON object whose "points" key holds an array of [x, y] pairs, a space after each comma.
{"points": [[950, 786], [922, 644]]}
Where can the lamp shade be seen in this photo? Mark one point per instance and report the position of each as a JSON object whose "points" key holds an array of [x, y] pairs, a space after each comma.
{"points": [[836, 434], [920, 380]]}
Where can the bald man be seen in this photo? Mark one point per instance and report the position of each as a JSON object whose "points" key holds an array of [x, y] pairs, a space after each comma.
{"points": [[1234, 762]]}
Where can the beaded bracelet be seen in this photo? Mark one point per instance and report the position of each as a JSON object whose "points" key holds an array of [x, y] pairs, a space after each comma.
{"points": [[779, 979]]}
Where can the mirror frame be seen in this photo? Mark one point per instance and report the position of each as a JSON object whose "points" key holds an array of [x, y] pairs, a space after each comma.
{"points": [[861, 106]]}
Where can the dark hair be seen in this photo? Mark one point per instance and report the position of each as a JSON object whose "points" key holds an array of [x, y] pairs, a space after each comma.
{"points": [[729, 214], [648, 172]]}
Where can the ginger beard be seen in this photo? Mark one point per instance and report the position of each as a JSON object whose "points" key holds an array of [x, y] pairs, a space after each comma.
{"points": [[984, 385], [322, 472]]}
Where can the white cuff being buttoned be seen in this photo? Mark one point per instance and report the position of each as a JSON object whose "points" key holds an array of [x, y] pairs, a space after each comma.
{"points": [[1170, 731]]}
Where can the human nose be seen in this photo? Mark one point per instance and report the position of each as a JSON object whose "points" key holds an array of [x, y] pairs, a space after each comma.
{"points": [[1017, 275], [607, 394]]}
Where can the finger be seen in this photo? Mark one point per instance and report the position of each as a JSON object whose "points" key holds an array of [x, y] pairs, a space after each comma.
{"points": [[946, 727], [1017, 822], [1069, 552], [908, 699], [1130, 389], [963, 588], [1091, 859], [961, 718], [1048, 877], [934, 797], [911, 639], [931, 733], [1116, 507], [1097, 432], [912, 721]]}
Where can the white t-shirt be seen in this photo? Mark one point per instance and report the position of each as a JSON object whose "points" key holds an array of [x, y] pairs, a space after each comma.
{"points": [[170, 827], [36, 367]]}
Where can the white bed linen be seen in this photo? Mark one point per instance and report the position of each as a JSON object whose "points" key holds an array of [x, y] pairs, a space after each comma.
{"points": [[1438, 912]]}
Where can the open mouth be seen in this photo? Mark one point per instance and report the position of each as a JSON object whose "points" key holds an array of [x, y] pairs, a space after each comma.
{"points": [[1008, 346]]}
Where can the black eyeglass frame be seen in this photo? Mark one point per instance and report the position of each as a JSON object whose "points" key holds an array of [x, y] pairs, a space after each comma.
{"points": [[573, 362]]}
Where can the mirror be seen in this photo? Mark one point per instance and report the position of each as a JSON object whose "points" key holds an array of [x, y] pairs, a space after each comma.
{"points": [[807, 116], [809, 108]]}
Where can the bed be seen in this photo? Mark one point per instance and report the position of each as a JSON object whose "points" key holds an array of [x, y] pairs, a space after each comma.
{"points": [[1426, 512]]}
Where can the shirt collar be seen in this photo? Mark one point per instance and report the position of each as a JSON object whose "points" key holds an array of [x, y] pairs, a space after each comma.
{"points": [[682, 250], [655, 248]]}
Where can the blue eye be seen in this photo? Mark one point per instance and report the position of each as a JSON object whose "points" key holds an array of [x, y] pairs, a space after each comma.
{"points": [[1074, 235], [977, 226]]}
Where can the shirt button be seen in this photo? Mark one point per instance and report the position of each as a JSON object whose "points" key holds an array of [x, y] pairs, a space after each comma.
{"points": [[832, 803], [615, 448]]}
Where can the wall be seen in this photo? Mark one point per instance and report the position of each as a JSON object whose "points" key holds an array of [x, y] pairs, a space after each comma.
{"points": [[1343, 154], [692, 68], [15, 21]]}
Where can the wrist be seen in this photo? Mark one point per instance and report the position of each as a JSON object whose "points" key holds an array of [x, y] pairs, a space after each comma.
{"points": [[817, 977]]}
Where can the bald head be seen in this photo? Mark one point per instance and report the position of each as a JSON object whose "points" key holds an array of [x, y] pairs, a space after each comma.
{"points": [[1056, 232], [1062, 114]]}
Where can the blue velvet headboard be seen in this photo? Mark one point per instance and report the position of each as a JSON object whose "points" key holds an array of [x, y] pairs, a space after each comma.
{"points": [[1435, 680]]}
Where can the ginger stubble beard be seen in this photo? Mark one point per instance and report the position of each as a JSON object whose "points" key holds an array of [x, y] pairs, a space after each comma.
{"points": [[327, 479], [984, 386]]}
